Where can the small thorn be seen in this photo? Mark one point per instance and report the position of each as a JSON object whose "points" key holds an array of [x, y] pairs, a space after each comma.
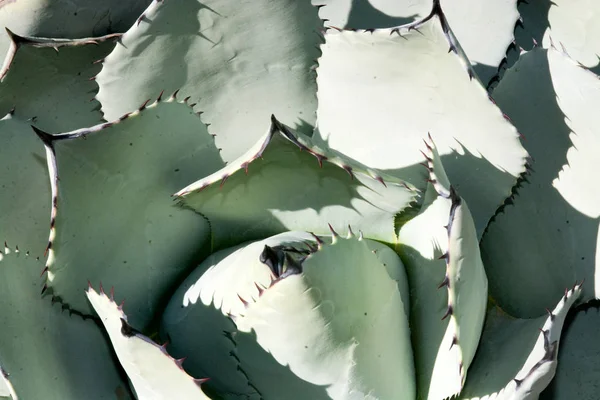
{"points": [[223, 179], [550, 314], [243, 301], [350, 233], [260, 289], [180, 361], [448, 312], [160, 95], [380, 179], [317, 239], [333, 232], [445, 282], [201, 381], [454, 342], [443, 257]]}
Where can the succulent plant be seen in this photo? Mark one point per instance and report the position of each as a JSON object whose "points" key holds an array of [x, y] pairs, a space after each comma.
{"points": [[359, 199]]}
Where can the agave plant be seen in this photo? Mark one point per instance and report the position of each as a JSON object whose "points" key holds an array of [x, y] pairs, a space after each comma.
{"points": [[346, 199]]}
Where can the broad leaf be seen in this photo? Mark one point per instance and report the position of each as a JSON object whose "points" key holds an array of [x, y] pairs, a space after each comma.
{"points": [[153, 373], [115, 221], [548, 238], [46, 352], [381, 92], [448, 286], [240, 61], [578, 362], [49, 81], [284, 183], [334, 313], [517, 357], [25, 197], [485, 39], [67, 18]]}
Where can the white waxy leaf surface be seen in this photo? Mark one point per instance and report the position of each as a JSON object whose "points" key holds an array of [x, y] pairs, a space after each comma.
{"points": [[548, 237], [153, 373], [381, 93]]}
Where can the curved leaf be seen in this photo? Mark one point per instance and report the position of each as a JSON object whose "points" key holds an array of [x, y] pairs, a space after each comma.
{"points": [[47, 353], [381, 92], [549, 237], [67, 18], [517, 357], [240, 61], [484, 39], [114, 220], [153, 373], [49, 81], [292, 185], [334, 314], [24, 188], [577, 370], [448, 286]]}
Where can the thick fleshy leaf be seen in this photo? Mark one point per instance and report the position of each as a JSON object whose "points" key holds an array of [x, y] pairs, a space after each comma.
{"points": [[48, 81], [381, 92], [578, 358], [571, 26], [484, 29], [24, 186], [549, 237], [67, 18], [517, 357], [448, 286], [114, 220], [292, 185], [153, 373], [336, 315], [240, 61], [45, 352]]}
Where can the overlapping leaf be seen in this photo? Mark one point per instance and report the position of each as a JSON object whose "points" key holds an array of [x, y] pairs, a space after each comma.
{"points": [[45, 352], [24, 187], [292, 185], [47, 81], [114, 220], [381, 92], [448, 286], [484, 29], [153, 373], [517, 358], [578, 358], [240, 61], [549, 237], [335, 315], [67, 18]]}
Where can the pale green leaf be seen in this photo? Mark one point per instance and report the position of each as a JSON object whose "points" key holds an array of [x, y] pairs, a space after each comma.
{"points": [[483, 28], [549, 237], [25, 197], [47, 353], [240, 61], [335, 322], [153, 373], [517, 357], [48, 81], [67, 18], [114, 220], [448, 286], [290, 184], [380, 94], [578, 368]]}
